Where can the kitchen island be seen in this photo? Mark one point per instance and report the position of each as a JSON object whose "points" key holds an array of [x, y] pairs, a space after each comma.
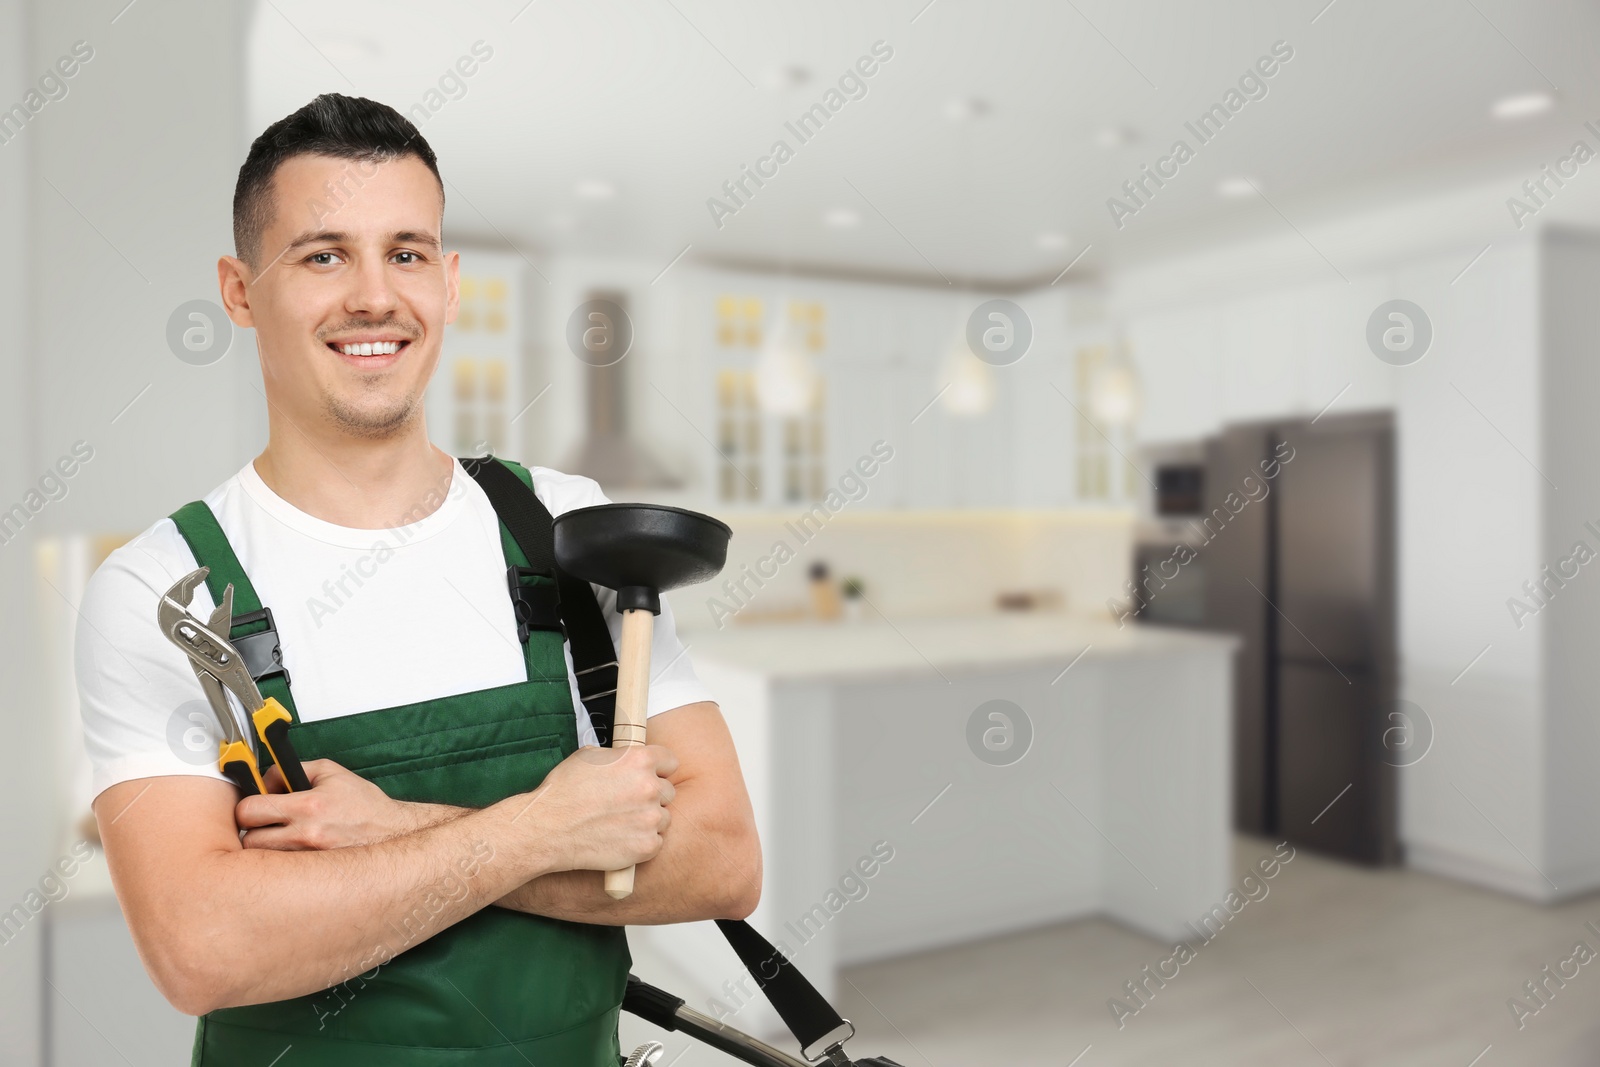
{"points": [[919, 782]]}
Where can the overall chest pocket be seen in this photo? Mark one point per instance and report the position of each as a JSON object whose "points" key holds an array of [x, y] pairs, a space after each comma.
{"points": [[469, 777], [471, 750]]}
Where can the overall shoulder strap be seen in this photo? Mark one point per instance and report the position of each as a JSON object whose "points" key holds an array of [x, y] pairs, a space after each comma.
{"points": [[254, 633], [210, 546], [509, 487]]}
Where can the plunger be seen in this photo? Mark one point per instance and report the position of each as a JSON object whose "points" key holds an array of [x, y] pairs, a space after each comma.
{"points": [[641, 551]]}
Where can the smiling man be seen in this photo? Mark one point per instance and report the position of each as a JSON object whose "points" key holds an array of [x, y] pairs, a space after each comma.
{"points": [[435, 898]]}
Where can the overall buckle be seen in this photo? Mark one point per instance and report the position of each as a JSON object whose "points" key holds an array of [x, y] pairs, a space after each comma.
{"points": [[537, 607], [261, 652]]}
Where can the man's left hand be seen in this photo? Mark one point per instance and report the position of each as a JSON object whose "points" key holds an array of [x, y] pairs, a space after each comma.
{"points": [[339, 810]]}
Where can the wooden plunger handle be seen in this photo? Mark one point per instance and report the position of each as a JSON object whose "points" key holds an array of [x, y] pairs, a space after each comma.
{"points": [[633, 689]]}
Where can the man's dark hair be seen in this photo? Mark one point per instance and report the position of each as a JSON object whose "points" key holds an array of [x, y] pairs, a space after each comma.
{"points": [[344, 127]]}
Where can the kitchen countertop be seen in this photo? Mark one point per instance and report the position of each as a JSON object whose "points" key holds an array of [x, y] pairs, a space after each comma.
{"points": [[917, 646]]}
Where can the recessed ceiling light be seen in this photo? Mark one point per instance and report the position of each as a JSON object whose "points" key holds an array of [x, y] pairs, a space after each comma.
{"points": [[1115, 136], [1522, 105], [1050, 240], [788, 76], [1237, 187], [841, 218], [966, 108], [354, 50], [595, 189]]}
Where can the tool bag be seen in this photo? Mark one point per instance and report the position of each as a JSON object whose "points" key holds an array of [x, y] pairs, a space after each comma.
{"points": [[509, 488]]}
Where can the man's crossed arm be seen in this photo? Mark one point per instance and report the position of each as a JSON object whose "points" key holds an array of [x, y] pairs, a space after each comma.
{"points": [[708, 867], [320, 876]]}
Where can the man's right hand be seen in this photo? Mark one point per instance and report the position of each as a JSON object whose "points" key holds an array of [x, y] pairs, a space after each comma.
{"points": [[605, 809]]}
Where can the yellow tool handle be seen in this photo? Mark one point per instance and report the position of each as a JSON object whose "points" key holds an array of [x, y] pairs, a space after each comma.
{"points": [[272, 726], [238, 762]]}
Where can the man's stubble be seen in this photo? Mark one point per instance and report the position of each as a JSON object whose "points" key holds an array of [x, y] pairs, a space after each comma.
{"points": [[373, 423]]}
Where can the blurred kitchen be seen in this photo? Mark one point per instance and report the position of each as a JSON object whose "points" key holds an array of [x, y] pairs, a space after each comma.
{"points": [[1156, 438]]}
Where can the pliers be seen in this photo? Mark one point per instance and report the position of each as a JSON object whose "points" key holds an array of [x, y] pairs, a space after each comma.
{"points": [[221, 670]]}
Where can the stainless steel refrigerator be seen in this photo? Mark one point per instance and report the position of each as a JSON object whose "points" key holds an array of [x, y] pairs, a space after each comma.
{"points": [[1299, 546]]}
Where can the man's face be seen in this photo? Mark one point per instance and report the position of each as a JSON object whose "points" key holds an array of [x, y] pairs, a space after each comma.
{"points": [[351, 294]]}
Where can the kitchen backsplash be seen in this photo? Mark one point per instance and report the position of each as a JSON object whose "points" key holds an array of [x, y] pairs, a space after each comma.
{"points": [[914, 563]]}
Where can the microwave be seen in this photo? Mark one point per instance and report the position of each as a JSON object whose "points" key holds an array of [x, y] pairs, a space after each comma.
{"points": [[1180, 489]]}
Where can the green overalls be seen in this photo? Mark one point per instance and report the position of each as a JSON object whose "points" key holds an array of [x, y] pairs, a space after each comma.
{"points": [[498, 989]]}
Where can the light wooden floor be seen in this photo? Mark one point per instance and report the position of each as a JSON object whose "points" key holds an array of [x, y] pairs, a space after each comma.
{"points": [[1338, 966]]}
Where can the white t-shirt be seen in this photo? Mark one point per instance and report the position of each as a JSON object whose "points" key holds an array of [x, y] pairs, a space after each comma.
{"points": [[366, 619]]}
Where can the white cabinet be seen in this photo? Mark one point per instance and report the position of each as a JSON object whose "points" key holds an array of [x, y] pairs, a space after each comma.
{"points": [[1257, 340], [1019, 453], [1342, 356], [1290, 352], [1180, 369], [1043, 389], [868, 398], [1043, 443], [864, 407]]}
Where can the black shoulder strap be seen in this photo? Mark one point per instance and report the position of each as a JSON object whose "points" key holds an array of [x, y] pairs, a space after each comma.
{"points": [[807, 1014], [509, 488], [519, 508]]}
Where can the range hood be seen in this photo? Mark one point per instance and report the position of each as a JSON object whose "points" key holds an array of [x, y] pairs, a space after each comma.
{"points": [[608, 453]]}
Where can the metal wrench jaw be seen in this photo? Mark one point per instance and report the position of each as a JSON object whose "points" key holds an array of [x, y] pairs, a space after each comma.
{"points": [[182, 628], [175, 601], [221, 619], [208, 647]]}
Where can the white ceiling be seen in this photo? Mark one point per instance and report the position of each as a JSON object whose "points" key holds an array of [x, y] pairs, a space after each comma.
{"points": [[665, 99]]}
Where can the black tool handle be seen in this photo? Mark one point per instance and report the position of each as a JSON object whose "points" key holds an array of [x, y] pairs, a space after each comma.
{"points": [[272, 726], [242, 775], [651, 1003], [276, 735]]}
